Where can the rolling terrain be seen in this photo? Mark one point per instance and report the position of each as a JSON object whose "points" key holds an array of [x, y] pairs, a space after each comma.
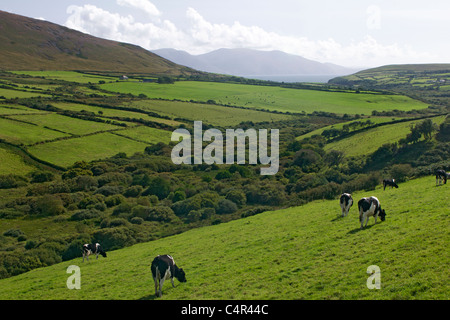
{"points": [[311, 252], [85, 156], [30, 44]]}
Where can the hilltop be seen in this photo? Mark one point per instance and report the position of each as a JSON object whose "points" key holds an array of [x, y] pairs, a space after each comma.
{"points": [[31, 44], [429, 83]]}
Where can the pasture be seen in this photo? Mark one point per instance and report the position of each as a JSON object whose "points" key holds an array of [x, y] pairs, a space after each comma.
{"points": [[270, 98], [371, 139], [88, 148], [211, 114], [11, 163], [307, 252]]}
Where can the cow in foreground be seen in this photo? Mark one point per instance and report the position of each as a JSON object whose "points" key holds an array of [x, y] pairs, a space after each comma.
{"points": [[369, 207], [441, 175], [94, 248], [346, 202], [164, 268], [389, 182]]}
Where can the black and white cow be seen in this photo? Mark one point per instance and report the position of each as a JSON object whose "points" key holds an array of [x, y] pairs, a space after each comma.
{"points": [[164, 268], [441, 175], [346, 202], [389, 182], [94, 248], [369, 207]]}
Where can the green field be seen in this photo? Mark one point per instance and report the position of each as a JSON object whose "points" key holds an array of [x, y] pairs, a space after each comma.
{"points": [[94, 147], [105, 112], [11, 163], [70, 76], [11, 94], [66, 124], [147, 134], [307, 252], [211, 114], [23, 133], [271, 98], [370, 140], [17, 109]]}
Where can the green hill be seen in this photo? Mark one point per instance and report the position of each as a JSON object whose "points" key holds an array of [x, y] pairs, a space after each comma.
{"points": [[30, 44], [307, 252]]}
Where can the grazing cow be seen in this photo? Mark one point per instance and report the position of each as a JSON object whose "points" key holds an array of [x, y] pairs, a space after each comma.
{"points": [[389, 182], [94, 248], [441, 175], [346, 202], [369, 207], [164, 268]]}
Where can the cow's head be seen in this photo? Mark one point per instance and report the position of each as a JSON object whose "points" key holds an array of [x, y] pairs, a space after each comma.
{"points": [[181, 275], [382, 215], [103, 253]]}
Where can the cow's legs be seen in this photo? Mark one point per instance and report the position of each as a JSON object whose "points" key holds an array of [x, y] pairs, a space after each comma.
{"points": [[156, 286], [161, 282], [173, 285]]}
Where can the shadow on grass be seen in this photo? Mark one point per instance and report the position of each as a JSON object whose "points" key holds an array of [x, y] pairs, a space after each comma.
{"points": [[149, 297]]}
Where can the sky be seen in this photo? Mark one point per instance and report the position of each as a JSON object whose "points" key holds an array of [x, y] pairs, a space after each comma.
{"points": [[352, 33]]}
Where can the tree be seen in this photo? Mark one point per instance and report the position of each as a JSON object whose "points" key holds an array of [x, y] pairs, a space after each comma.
{"points": [[427, 127]]}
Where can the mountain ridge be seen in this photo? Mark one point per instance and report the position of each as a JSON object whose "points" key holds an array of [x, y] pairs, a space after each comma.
{"points": [[250, 62], [32, 44]]}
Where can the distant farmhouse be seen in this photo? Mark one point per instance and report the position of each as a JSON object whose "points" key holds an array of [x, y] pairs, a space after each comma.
{"points": [[124, 77]]}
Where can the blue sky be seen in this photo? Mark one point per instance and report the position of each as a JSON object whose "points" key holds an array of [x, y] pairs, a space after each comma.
{"points": [[347, 32]]}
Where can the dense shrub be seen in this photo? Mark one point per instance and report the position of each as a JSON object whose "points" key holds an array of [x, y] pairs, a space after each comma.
{"points": [[115, 238], [226, 207], [85, 214]]}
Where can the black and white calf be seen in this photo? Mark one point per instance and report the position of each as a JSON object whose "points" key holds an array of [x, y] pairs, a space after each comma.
{"points": [[369, 207], [389, 182], [164, 268], [441, 175], [346, 202], [94, 248]]}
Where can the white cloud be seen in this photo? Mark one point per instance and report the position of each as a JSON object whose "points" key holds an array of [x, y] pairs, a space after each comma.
{"points": [[203, 36], [143, 5]]}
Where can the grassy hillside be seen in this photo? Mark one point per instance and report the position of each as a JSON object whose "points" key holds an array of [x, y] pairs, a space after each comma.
{"points": [[426, 82], [306, 252], [369, 141], [30, 44]]}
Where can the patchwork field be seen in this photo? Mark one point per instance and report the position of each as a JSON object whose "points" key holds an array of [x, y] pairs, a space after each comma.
{"points": [[311, 252], [370, 140], [211, 114], [271, 98], [94, 147]]}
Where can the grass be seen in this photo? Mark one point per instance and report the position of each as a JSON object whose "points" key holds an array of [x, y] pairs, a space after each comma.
{"points": [[369, 141], [70, 76], [271, 98], [66, 124], [105, 112], [147, 134], [306, 252], [211, 114], [23, 133], [94, 147], [11, 163], [12, 94]]}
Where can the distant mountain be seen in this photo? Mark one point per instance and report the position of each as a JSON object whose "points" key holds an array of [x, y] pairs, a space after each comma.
{"points": [[30, 44], [248, 62]]}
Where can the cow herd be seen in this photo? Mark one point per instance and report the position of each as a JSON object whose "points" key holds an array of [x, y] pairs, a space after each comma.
{"points": [[163, 267]]}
